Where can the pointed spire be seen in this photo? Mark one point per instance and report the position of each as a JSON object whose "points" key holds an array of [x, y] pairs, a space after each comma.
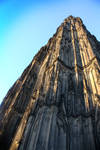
{"points": [[55, 103]]}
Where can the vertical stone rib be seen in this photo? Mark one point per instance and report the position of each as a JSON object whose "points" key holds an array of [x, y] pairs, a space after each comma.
{"points": [[21, 127], [48, 132], [74, 49], [33, 144]]}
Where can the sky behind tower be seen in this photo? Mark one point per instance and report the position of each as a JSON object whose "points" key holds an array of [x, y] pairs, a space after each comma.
{"points": [[27, 25]]}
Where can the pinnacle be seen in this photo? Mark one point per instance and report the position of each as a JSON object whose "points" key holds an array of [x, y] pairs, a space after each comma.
{"points": [[74, 19], [71, 17]]}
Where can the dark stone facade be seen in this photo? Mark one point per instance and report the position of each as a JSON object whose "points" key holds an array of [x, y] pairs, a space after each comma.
{"points": [[55, 104]]}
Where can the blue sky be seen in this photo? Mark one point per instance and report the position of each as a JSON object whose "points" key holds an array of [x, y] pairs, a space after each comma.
{"points": [[27, 25]]}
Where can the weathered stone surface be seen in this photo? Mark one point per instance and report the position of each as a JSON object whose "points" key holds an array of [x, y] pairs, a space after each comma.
{"points": [[55, 104]]}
